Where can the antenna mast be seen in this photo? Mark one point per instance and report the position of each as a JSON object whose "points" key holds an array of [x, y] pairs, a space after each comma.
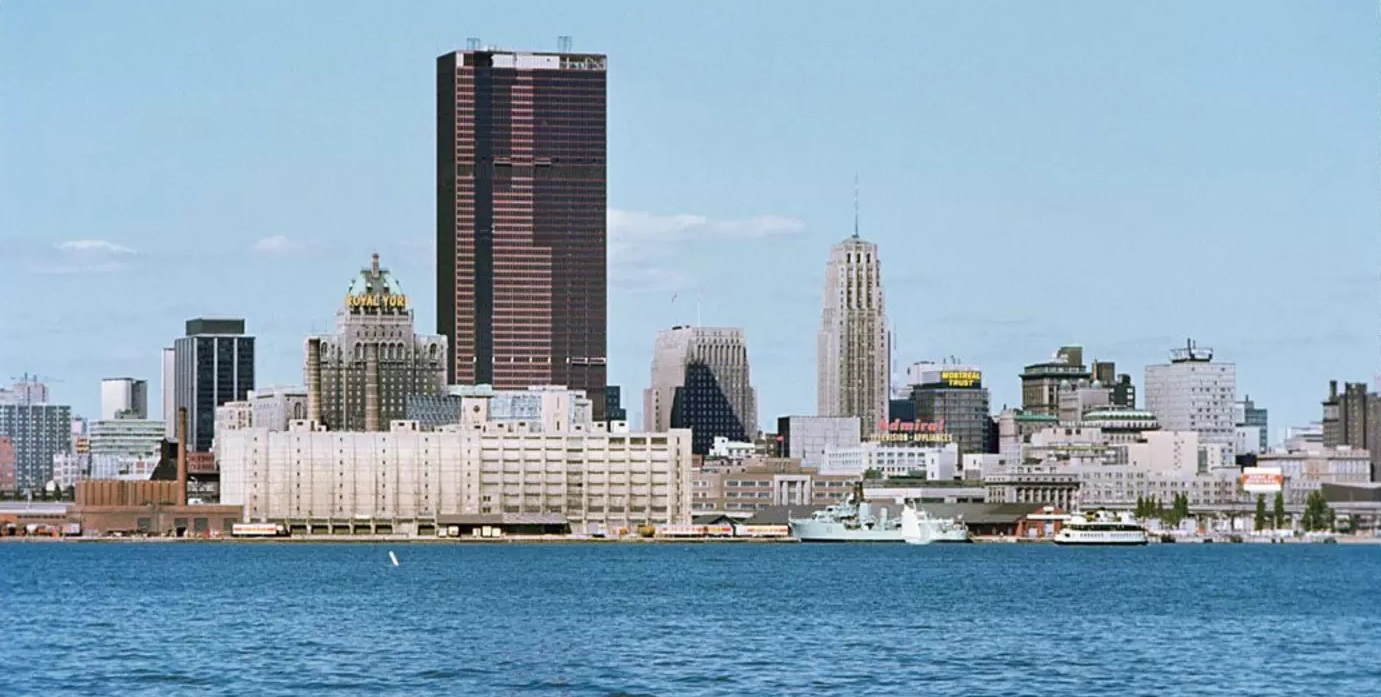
{"points": [[855, 205]]}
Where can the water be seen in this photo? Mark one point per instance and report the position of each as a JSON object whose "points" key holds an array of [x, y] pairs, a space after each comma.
{"points": [[288, 619]]}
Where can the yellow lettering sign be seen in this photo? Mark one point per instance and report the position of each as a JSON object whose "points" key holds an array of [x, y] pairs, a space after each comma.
{"points": [[393, 302], [961, 378]]}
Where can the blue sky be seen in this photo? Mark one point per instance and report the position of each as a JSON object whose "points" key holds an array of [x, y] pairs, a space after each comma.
{"points": [[1117, 175]]}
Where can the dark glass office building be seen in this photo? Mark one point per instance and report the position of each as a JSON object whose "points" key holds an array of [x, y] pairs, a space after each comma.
{"points": [[521, 214], [954, 396], [214, 364], [613, 404], [703, 406]]}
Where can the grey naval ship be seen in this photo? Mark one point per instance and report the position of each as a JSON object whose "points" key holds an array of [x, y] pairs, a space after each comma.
{"points": [[855, 520], [852, 520]]}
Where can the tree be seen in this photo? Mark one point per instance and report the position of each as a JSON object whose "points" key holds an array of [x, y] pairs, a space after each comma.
{"points": [[1140, 511], [872, 474], [1261, 517], [1182, 505], [1278, 515], [1179, 510], [1317, 514]]}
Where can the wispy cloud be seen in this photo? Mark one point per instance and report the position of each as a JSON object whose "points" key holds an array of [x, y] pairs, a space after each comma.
{"points": [[84, 256], [644, 247], [639, 234], [94, 247], [278, 244]]}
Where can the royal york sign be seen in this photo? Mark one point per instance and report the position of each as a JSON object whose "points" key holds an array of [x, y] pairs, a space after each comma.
{"points": [[387, 301]]}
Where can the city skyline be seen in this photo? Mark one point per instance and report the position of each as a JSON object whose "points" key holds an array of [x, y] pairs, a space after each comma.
{"points": [[1101, 185]]}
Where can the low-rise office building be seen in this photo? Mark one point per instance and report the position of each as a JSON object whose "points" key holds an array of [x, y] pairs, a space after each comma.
{"points": [[756, 483], [1307, 470], [892, 460]]}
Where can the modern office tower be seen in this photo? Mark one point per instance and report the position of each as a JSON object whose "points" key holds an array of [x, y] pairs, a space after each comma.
{"points": [[613, 404], [521, 214], [1246, 413], [124, 398], [213, 364], [36, 432], [1192, 393], [854, 360], [1040, 382], [700, 381], [359, 378], [952, 396]]}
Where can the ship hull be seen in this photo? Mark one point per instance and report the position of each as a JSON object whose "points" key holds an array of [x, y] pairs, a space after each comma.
{"points": [[1101, 543], [817, 531], [924, 530]]}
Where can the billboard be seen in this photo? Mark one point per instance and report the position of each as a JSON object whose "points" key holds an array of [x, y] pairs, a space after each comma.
{"points": [[1262, 480], [945, 375], [925, 432]]}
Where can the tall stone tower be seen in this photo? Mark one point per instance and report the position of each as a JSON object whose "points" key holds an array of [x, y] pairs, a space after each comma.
{"points": [[854, 368]]}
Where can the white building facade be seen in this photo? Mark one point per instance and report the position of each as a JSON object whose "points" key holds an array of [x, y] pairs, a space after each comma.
{"points": [[124, 398], [168, 388], [892, 460], [592, 476], [275, 407], [1306, 470], [809, 437], [111, 449], [1193, 393]]}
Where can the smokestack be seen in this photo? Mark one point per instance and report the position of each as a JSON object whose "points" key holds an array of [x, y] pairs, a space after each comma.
{"points": [[182, 456], [1332, 389], [314, 379], [371, 387]]}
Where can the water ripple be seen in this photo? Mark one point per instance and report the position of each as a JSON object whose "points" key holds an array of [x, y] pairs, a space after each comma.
{"points": [[652, 620]]}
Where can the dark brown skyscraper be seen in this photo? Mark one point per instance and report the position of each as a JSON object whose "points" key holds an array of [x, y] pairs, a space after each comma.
{"points": [[521, 266]]}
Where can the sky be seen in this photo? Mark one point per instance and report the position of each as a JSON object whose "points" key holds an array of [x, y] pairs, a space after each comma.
{"points": [[1124, 176]]}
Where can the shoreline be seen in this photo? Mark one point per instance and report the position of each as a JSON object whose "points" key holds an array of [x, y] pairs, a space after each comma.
{"points": [[556, 540]]}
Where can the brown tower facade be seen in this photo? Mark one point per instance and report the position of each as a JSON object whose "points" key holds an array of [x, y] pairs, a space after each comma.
{"points": [[521, 218]]}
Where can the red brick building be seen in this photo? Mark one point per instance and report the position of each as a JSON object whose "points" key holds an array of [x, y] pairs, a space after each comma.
{"points": [[8, 481]]}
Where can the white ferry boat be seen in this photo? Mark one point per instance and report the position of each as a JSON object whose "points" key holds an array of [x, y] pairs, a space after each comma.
{"points": [[919, 528], [1101, 528]]}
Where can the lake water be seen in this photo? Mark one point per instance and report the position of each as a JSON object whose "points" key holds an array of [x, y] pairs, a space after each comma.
{"points": [[635, 619]]}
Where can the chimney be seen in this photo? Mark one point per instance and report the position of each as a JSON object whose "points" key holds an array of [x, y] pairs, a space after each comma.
{"points": [[182, 456], [1332, 389], [371, 387], [314, 379]]}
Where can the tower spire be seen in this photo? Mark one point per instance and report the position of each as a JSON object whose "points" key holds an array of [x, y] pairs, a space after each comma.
{"points": [[855, 205]]}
